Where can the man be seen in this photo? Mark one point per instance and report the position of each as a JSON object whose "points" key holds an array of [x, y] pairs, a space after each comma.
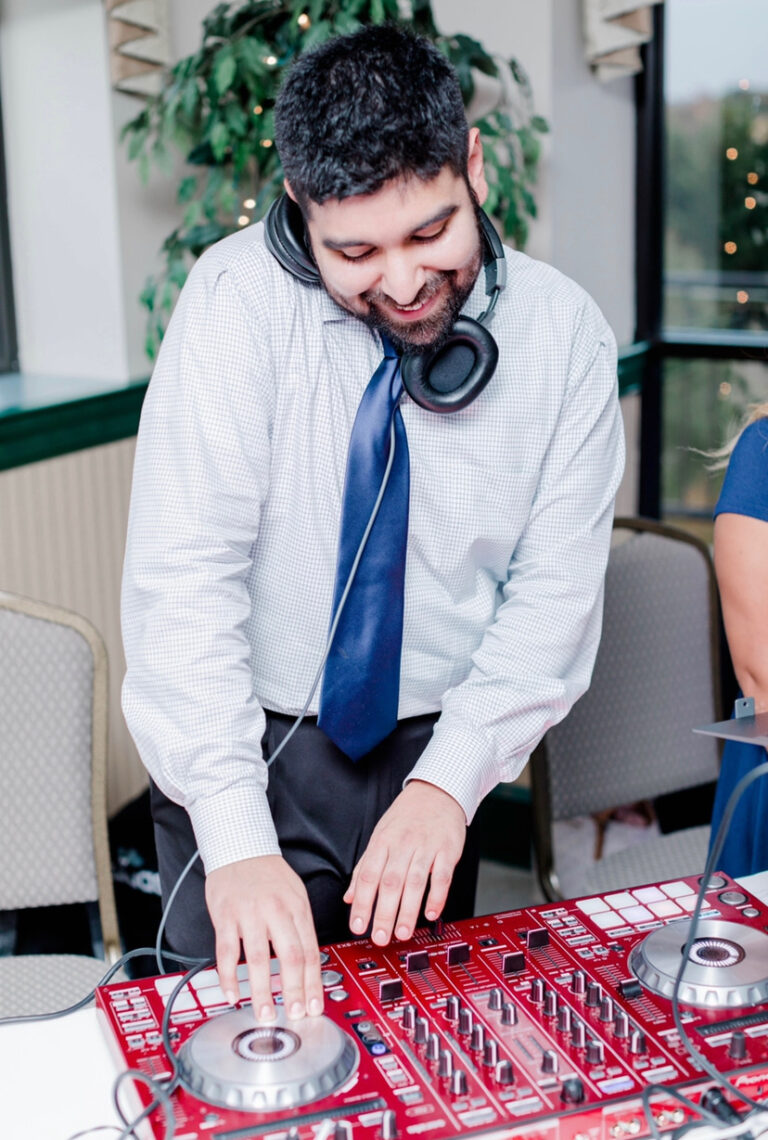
{"points": [[239, 492]]}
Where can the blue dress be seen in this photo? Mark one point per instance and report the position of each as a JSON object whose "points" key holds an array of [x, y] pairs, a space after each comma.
{"points": [[745, 492]]}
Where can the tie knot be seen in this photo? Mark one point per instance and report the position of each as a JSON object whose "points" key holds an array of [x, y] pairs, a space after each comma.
{"points": [[387, 345]]}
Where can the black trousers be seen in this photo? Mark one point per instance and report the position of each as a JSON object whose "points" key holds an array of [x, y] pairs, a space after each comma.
{"points": [[325, 808]]}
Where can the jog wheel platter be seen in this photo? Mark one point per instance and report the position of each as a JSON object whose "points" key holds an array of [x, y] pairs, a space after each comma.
{"points": [[727, 966], [232, 1062]]}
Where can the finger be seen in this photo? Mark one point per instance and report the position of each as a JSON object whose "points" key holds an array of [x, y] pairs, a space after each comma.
{"points": [[256, 947], [349, 894], [313, 984], [369, 872], [227, 957], [413, 893], [390, 893], [289, 949], [439, 885]]}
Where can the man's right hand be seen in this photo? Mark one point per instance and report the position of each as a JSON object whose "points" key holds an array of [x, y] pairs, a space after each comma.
{"points": [[262, 901]]}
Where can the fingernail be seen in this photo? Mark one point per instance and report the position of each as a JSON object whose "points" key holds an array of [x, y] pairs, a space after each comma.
{"points": [[403, 932], [432, 915], [266, 1013], [296, 1011], [357, 925], [315, 1007], [380, 936], [230, 996]]}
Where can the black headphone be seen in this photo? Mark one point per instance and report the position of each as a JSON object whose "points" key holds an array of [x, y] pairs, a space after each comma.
{"points": [[443, 381]]}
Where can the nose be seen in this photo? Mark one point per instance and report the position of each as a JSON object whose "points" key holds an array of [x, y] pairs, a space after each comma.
{"points": [[402, 278]]}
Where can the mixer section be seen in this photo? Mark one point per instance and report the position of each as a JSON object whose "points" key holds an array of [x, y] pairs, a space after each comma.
{"points": [[545, 1022]]}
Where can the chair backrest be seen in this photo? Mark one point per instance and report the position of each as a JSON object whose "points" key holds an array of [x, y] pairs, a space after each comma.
{"points": [[54, 846], [656, 677]]}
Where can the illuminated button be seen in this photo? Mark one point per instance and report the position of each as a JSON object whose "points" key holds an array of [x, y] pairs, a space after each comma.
{"points": [[622, 899], [677, 889], [592, 906], [750, 912], [330, 978], [338, 995], [664, 909], [183, 1000], [688, 902], [635, 914], [647, 894], [165, 984], [608, 920], [204, 979], [732, 898], [211, 995]]}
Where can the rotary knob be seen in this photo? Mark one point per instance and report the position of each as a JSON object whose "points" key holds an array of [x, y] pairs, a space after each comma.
{"points": [[537, 991], [508, 1014], [505, 1074], [621, 1024], [572, 1091], [478, 1038], [564, 1020], [737, 1050], [465, 1022], [490, 1053], [409, 1017], [550, 1003], [495, 998], [549, 1061], [578, 982], [594, 994], [452, 1007], [459, 1083], [433, 1047], [342, 1130], [595, 1052], [606, 1009], [578, 1035], [388, 1125], [420, 1030], [637, 1042], [445, 1064]]}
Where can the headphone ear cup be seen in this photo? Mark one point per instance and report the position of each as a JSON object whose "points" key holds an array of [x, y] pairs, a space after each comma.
{"points": [[451, 378], [284, 238]]}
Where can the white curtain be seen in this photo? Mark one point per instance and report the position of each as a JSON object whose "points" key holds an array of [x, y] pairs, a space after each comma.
{"points": [[614, 31], [138, 44]]}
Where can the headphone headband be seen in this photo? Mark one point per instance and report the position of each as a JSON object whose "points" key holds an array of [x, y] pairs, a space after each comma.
{"points": [[443, 381]]}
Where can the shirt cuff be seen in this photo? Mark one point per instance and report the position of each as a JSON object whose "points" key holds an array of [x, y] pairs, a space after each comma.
{"points": [[232, 825], [461, 762]]}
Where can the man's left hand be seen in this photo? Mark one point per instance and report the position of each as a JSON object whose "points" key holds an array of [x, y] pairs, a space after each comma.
{"points": [[419, 838]]}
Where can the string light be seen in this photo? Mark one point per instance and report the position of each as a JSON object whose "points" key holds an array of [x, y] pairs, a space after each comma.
{"points": [[744, 84], [258, 109], [270, 60], [730, 247], [750, 203], [304, 21], [243, 220], [732, 153], [725, 388], [249, 203], [266, 142], [742, 296], [752, 178]]}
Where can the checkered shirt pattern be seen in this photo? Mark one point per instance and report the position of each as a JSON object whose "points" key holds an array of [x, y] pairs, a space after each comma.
{"points": [[235, 515]]}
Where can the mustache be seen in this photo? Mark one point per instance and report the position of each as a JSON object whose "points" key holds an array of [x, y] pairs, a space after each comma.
{"points": [[427, 291]]}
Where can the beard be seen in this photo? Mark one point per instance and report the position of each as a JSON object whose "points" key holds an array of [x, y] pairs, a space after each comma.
{"points": [[427, 335]]}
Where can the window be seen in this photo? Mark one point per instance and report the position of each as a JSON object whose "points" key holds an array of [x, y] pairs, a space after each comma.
{"points": [[714, 291]]}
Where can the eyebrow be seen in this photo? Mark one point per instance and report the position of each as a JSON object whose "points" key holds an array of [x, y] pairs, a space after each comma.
{"points": [[441, 216]]}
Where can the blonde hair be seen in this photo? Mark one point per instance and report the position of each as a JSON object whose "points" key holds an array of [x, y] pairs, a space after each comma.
{"points": [[721, 455]]}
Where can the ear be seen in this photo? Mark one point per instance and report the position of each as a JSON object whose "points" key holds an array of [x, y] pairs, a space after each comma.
{"points": [[289, 190], [476, 166]]}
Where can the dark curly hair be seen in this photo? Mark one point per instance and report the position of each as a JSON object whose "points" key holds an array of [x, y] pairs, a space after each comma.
{"points": [[365, 108]]}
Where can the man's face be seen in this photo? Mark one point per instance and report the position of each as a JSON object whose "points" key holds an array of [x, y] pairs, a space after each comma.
{"points": [[403, 259]]}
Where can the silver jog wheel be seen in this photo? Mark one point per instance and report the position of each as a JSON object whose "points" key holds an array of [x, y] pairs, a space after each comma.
{"points": [[234, 1062], [727, 966]]}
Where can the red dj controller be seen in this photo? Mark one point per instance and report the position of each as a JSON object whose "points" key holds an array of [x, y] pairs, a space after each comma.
{"points": [[545, 1023]]}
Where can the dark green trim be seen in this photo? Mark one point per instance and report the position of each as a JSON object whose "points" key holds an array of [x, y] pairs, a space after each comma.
{"points": [[632, 362], [42, 418]]}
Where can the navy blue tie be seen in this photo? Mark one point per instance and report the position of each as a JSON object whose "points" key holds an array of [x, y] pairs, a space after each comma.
{"points": [[361, 683]]}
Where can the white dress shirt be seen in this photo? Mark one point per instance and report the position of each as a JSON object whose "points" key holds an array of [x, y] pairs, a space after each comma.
{"points": [[235, 516]]}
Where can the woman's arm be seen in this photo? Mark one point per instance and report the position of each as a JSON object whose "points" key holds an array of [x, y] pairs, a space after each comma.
{"points": [[741, 564]]}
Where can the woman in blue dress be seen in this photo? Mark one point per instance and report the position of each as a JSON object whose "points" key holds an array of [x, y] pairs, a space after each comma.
{"points": [[741, 563]]}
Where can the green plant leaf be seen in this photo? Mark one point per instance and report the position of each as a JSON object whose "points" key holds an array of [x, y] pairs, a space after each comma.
{"points": [[219, 138], [187, 188], [224, 69]]}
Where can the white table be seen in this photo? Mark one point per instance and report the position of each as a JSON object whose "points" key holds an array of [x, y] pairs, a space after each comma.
{"points": [[56, 1076]]}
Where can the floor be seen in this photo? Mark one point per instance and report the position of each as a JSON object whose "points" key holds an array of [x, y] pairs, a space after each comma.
{"points": [[501, 887]]}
